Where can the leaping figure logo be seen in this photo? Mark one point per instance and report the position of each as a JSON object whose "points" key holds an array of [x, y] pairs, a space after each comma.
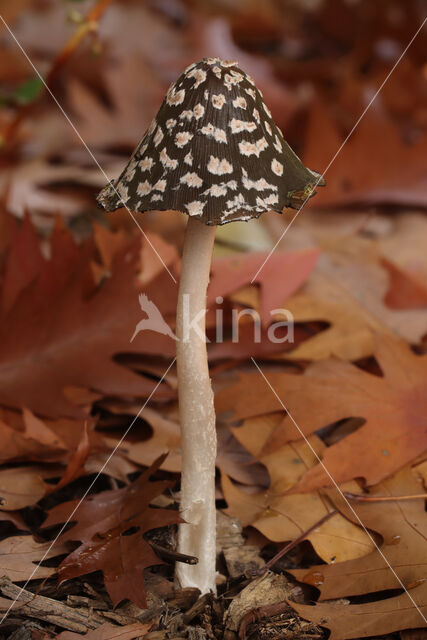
{"points": [[155, 320]]}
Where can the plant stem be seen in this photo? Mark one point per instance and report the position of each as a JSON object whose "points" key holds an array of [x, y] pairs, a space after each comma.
{"points": [[294, 542], [197, 413], [362, 498], [89, 25]]}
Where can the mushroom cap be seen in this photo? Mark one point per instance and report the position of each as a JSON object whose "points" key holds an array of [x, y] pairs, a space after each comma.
{"points": [[213, 152]]}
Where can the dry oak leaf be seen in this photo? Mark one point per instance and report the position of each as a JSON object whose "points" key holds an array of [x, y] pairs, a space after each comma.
{"points": [[28, 438], [350, 334], [347, 290], [23, 263], [14, 518], [394, 407], [109, 631], [406, 290], [403, 527], [36, 443], [356, 265], [76, 464], [102, 522], [252, 339], [61, 320], [155, 254], [165, 436], [405, 244], [369, 620], [232, 458], [32, 187], [24, 486], [133, 104], [395, 173], [406, 260], [117, 466], [248, 337], [280, 276], [285, 517], [20, 555], [71, 433]]}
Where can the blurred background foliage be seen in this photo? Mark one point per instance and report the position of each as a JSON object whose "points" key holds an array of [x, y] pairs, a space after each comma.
{"points": [[109, 63]]}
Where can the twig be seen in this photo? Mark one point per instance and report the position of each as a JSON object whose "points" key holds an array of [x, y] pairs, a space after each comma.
{"points": [[47, 609], [197, 608], [359, 498], [294, 543], [169, 554], [85, 601], [89, 25]]}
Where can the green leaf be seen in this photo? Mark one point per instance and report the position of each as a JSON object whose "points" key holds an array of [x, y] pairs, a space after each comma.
{"points": [[29, 91]]}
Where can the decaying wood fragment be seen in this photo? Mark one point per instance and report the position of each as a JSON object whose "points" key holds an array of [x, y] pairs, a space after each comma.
{"points": [[47, 609]]}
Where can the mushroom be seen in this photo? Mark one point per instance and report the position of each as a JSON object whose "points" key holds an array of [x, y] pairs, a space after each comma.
{"points": [[213, 152]]}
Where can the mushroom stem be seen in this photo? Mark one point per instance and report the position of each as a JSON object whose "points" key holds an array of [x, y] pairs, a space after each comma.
{"points": [[196, 412]]}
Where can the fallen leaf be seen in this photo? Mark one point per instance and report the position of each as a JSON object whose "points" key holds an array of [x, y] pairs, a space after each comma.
{"points": [[351, 330], [116, 466], [56, 325], [119, 125], [405, 257], [281, 275], [236, 461], [20, 555], [406, 290], [31, 188], [75, 467], [405, 243], [165, 437], [402, 525], [232, 458], [36, 443], [393, 407], [109, 244], [14, 518], [151, 266], [71, 433], [285, 517], [356, 266], [20, 487], [347, 291], [102, 522], [395, 171], [23, 263], [368, 620], [250, 338]]}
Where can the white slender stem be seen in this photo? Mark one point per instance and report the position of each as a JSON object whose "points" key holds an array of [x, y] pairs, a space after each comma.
{"points": [[197, 413]]}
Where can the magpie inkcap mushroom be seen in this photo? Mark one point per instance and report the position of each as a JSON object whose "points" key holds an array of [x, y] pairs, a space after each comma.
{"points": [[213, 152]]}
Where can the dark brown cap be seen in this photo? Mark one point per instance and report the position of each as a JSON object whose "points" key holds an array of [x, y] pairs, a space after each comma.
{"points": [[213, 152]]}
